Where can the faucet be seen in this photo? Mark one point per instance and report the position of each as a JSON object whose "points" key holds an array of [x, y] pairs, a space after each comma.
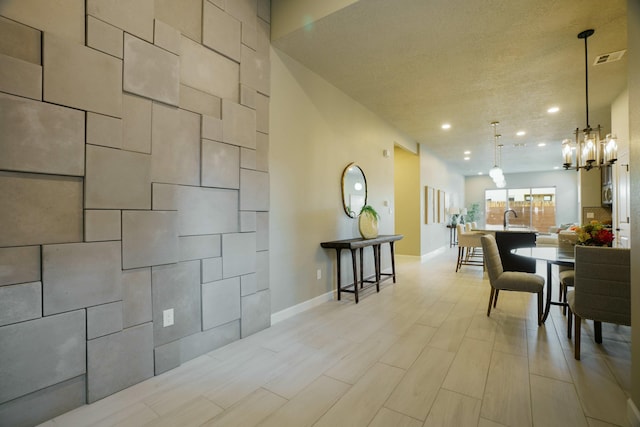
{"points": [[505, 223]]}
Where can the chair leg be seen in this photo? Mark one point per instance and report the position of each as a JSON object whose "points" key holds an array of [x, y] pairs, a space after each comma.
{"points": [[493, 291], [577, 329], [569, 322], [563, 297], [597, 329], [495, 299], [459, 261], [540, 308]]}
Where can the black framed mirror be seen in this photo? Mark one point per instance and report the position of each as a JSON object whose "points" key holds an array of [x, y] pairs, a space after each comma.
{"points": [[354, 190]]}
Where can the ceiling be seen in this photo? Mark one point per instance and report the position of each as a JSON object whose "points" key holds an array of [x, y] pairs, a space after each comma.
{"points": [[421, 63]]}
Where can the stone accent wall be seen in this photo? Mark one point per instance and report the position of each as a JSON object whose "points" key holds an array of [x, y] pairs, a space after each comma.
{"points": [[133, 180]]}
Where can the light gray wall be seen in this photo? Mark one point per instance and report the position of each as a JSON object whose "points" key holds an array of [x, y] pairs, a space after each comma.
{"points": [[135, 179], [565, 182]]}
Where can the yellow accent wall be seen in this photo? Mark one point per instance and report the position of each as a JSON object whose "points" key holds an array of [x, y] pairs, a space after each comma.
{"points": [[406, 179]]}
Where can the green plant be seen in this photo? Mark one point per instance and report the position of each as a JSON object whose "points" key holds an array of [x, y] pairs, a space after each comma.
{"points": [[369, 210], [473, 212]]}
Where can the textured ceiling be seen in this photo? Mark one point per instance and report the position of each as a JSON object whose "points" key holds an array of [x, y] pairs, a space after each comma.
{"points": [[421, 63]]}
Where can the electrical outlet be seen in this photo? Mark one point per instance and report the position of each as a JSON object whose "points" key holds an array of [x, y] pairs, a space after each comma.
{"points": [[590, 215], [167, 318], [319, 274]]}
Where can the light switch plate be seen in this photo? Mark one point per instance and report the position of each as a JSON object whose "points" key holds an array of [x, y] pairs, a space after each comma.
{"points": [[167, 318]]}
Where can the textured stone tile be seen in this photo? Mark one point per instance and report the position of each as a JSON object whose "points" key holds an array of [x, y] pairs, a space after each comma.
{"points": [[238, 124], [185, 16], [40, 353], [264, 10], [133, 17], [199, 247], [254, 190], [250, 36], [199, 102], [212, 128], [176, 286], [20, 302], [45, 404], [176, 146], [262, 152], [67, 21], [38, 209], [263, 59], [220, 165], [211, 269], [248, 221], [41, 137], [19, 265], [104, 37], [262, 113], [101, 225], [104, 130], [247, 96], [81, 77], [262, 270], [150, 71], [200, 210], [256, 313], [136, 123], [117, 179], [220, 302], [220, 31], [250, 67], [118, 361], [20, 41], [149, 238], [104, 319], [20, 78], [247, 158], [238, 254], [262, 235], [219, 3], [166, 37], [204, 69], [136, 297], [166, 357], [203, 342], [78, 275], [243, 10], [248, 284]]}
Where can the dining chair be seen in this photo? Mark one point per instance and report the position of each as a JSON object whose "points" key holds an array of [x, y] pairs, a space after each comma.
{"points": [[467, 241], [566, 276], [601, 290], [501, 280]]}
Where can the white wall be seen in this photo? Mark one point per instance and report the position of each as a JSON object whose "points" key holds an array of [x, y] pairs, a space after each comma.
{"points": [[315, 131], [435, 173], [566, 184]]}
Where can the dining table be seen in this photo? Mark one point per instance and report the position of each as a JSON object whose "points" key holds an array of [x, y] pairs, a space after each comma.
{"points": [[552, 255]]}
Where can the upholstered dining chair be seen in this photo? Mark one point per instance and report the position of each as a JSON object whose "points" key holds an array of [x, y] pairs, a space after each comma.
{"points": [[501, 280], [601, 290], [467, 241]]}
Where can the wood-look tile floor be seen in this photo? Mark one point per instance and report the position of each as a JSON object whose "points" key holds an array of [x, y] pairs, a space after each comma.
{"points": [[421, 352]]}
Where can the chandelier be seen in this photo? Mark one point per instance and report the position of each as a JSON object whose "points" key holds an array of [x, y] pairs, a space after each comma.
{"points": [[592, 151], [496, 171]]}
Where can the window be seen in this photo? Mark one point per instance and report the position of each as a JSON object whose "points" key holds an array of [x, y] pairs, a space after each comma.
{"points": [[535, 207]]}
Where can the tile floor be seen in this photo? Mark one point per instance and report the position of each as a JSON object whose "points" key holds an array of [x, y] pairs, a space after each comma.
{"points": [[422, 352]]}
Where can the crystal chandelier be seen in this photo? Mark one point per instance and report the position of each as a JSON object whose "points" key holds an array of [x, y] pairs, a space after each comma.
{"points": [[496, 171], [592, 151]]}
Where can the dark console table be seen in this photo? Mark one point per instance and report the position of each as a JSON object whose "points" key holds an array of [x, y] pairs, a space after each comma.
{"points": [[359, 244]]}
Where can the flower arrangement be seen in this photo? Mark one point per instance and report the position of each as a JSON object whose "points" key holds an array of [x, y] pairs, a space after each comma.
{"points": [[594, 234]]}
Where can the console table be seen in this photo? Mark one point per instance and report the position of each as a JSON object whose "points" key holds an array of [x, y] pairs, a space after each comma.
{"points": [[359, 244]]}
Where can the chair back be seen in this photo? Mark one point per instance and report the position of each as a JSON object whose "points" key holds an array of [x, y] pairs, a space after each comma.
{"points": [[491, 257], [603, 284], [474, 225], [467, 227]]}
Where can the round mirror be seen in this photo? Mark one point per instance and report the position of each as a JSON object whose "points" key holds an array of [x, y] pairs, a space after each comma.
{"points": [[354, 190]]}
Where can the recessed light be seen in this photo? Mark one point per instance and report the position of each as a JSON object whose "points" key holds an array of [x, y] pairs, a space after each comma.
{"points": [[467, 152], [446, 126], [542, 144], [521, 133], [553, 110], [467, 158], [480, 173]]}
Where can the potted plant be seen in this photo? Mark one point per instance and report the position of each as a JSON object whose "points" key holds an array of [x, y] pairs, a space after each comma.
{"points": [[368, 222]]}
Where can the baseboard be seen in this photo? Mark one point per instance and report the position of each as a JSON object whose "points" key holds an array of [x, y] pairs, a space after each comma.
{"points": [[633, 415], [299, 308], [433, 254]]}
